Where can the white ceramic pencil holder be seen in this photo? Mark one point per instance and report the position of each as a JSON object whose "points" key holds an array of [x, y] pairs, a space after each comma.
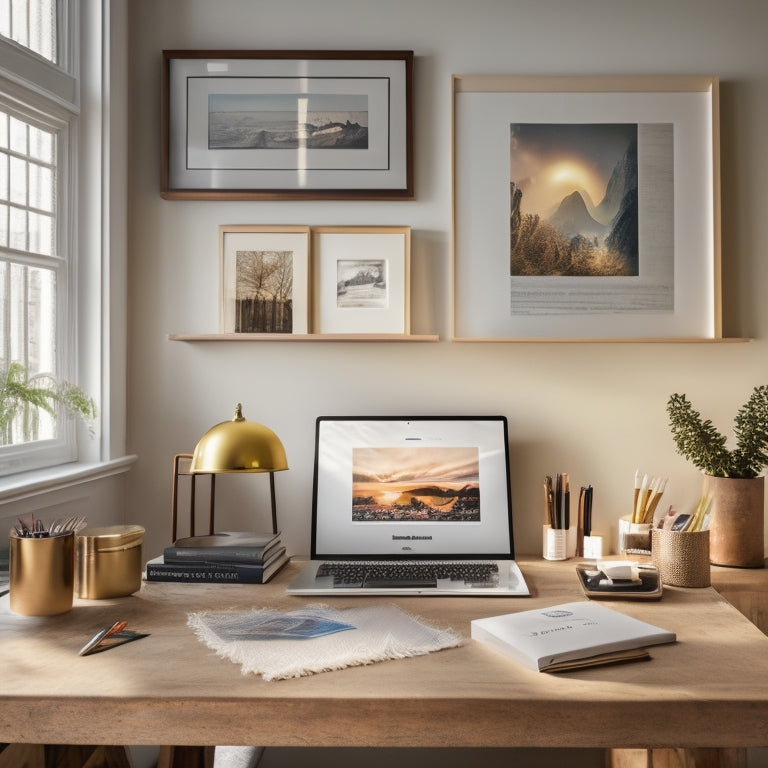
{"points": [[558, 543]]}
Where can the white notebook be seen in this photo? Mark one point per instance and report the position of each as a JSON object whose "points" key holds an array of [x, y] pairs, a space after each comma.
{"points": [[568, 636]]}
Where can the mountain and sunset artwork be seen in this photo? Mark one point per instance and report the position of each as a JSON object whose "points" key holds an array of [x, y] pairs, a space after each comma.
{"points": [[573, 199], [416, 483]]}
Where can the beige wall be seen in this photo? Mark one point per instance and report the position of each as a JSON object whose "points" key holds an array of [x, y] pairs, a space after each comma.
{"points": [[596, 411]]}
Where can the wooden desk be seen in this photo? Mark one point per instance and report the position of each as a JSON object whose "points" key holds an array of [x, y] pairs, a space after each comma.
{"points": [[710, 689], [746, 589]]}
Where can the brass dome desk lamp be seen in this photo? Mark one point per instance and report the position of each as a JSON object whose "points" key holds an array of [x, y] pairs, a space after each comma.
{"points": [[231, 447]]}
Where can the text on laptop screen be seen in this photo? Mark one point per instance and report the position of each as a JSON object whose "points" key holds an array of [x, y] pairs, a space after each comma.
{"points": [[412, 487]]}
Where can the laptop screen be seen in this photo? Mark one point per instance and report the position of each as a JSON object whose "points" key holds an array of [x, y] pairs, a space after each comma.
{"points": [[412, 487]]}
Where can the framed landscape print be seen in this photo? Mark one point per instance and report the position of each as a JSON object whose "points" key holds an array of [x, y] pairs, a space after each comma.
{"points": [[287, 125], [264, 280], [361, 280], [586, 208]]}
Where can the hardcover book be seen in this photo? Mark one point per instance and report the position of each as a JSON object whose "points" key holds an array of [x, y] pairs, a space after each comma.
{"points": [[228, 546], [569, 636], [217, 573]]}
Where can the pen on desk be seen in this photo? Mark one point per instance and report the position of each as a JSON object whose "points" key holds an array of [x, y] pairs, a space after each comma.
{"points": [[558, 500], [100, 636]]}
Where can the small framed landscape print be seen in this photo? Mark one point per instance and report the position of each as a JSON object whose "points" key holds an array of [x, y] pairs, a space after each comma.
{"points": [[264, 279], [361, 280], [287, 125]]}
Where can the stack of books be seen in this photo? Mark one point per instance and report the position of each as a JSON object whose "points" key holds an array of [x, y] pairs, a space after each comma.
{"points": [[229, 557]]}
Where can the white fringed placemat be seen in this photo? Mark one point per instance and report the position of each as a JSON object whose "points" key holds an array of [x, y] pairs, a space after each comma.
{"points": [[381, 632]]}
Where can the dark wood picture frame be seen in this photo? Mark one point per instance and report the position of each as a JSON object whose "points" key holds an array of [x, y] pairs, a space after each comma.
{"points": [[214, 109]]}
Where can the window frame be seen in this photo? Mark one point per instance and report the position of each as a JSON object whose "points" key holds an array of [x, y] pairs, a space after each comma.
{"points": [[47, 94]]}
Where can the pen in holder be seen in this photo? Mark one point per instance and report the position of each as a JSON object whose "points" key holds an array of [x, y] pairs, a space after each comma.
{"points": [[558, 538]]}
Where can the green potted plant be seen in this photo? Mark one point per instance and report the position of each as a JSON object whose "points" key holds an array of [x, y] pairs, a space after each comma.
{"points": [[23, 396], [733, 476]]}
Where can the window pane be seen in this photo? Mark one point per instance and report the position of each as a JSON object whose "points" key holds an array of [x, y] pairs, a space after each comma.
{"points": [[32, 24], [41, 234], [18, 136], [40, 144], [27, 309], [40, 187], [5, 18], [40, 319], [14, 308], [3, 226], [4, 177], [18, 178], [18, 235], [42, 28], [19, 27]]}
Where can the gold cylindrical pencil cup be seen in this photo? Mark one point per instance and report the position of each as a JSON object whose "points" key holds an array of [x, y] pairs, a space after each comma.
{"points": [[42, 574], [682, 557]]}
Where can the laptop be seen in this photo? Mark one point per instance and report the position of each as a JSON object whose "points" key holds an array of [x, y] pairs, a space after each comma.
{"points": [[411, 506]]}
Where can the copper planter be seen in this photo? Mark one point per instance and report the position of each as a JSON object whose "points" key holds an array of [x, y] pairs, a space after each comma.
{"points": [[736, 528]]}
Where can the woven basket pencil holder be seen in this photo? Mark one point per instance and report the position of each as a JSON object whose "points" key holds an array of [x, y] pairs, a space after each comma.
{"points": [[682, 557]]}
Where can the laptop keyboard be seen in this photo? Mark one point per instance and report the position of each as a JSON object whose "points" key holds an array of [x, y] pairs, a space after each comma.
{"points": [[420, 574]]}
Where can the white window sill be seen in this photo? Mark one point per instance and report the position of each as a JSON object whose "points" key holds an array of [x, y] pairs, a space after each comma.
{"points": [[26, 484]]}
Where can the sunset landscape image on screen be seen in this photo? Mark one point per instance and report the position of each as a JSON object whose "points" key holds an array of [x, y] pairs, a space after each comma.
{"points": [[415, 483]]}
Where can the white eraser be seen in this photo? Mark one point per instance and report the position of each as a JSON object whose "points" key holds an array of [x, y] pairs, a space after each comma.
{"points": [[617, 569]]}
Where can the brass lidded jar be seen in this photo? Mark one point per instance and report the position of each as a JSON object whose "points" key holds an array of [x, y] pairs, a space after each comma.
{"points": [[109, 561]]}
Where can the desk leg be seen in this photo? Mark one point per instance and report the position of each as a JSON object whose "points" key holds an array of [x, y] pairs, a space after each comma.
{"points": [[185, 757], [676, 758]]}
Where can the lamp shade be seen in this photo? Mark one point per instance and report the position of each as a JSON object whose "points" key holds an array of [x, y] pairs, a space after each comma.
{"points": [[238, 446]]}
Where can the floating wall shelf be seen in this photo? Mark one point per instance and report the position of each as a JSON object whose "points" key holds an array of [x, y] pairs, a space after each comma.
{"points": [[397, 337], [639, 340], [300, 337]]}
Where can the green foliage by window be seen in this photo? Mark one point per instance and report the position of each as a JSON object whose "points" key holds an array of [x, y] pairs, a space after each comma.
{"points": [[22, 397], [702, 444]]}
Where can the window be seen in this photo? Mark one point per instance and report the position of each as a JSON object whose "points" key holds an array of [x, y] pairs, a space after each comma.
{"points": [[37, 331]]}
